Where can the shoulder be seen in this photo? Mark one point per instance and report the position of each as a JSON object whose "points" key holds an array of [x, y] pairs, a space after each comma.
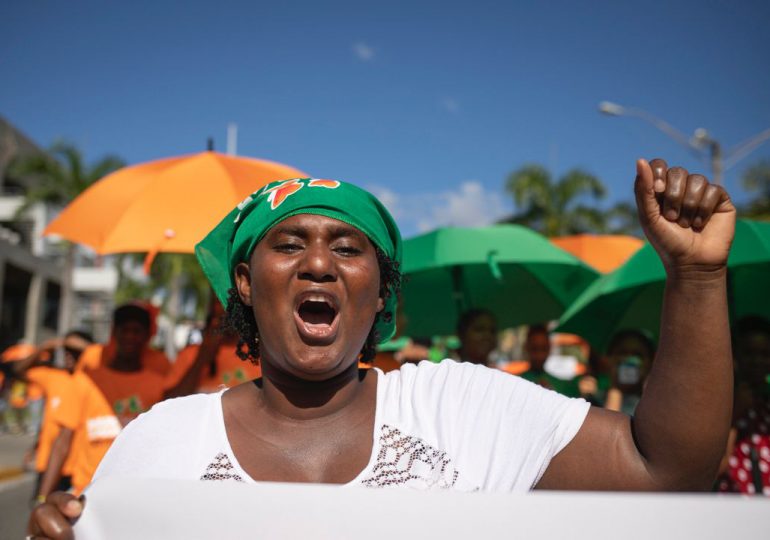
{"points": [[459, 395], [450, 390], [93, 348], [43, 375], [162, 442], [181, 413], [91, 357], [449, 376]]}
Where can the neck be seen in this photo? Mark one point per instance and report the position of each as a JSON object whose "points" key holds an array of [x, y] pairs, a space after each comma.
{"points": [[284, 395], [126, 363]]}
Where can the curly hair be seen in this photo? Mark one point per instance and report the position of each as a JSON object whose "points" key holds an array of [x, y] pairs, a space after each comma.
{"points": [[239, 318]]}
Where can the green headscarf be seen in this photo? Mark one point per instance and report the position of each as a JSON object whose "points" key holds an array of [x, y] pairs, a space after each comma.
{"points": [[232, 241]]}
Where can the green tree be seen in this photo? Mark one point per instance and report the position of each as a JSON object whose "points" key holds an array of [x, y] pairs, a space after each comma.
{"points": [[554, 208], [56, 179], [550, 207], [756, 179]]}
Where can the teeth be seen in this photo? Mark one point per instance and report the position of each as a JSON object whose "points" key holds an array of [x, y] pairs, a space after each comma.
{"points": [[319, 298]]}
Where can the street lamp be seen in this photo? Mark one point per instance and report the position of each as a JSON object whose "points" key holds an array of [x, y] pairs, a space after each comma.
{"points": [[701, 143]]}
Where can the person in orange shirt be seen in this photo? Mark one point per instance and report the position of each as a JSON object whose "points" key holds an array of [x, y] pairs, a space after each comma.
{"points": [[37, 368], [87, 427], [128, 339], [13, 393], [213, 364], [130, 386]]}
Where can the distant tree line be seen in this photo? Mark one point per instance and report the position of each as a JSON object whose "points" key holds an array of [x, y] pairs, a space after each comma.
{"points": [[560, 207], [569, 205]]}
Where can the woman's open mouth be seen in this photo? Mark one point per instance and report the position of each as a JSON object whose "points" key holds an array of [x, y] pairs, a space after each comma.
{"points": [[317, 316]]}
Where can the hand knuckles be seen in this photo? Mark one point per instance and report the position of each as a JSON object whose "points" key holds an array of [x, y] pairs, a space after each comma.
{"points": [[677, 172], [674, 192], [658, 163], [696, 184]]}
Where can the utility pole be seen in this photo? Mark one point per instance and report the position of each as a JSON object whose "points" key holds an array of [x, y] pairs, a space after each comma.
{"points": [[702, 144], [232, 139]]}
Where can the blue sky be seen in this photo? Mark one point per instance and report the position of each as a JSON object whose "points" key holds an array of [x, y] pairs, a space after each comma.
{"points": [[430, 104]]}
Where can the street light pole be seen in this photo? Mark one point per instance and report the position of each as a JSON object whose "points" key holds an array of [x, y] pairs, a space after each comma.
{"points": [[702, 139], [716, 162], [701, 143]]}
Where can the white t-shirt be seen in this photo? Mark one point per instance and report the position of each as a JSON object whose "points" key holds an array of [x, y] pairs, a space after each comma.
{"points": [[437, 426]]}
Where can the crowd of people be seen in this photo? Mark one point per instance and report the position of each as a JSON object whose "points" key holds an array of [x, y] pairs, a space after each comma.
{"points": [[308, 284], [108, 385]]}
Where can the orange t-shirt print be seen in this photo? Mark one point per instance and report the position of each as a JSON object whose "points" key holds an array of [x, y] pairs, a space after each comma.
{"points": [[129, 393]]}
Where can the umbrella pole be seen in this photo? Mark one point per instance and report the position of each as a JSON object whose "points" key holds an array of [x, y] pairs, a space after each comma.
{"points": [[174, 302]]}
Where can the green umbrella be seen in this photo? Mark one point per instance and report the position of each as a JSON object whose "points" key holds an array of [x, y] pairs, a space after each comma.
{"points": [[512, 271], [631, 297]]}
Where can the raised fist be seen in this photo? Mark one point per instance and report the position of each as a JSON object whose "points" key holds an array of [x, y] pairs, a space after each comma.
{"points": [[689, 221]]}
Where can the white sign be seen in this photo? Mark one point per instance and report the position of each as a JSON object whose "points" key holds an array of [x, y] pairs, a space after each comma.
{"points": [[122, 508]]}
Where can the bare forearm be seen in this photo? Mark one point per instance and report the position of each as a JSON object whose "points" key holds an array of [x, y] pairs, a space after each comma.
{"points": [[59, 451], [682, 422], [188, 384], [19, 368]]}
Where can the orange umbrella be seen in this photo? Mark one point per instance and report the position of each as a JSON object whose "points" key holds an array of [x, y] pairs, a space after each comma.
{"points": [[165, 205], [604, 252]]}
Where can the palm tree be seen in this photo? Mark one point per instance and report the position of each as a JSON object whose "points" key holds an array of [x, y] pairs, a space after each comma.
{"points": [[550, 207], [56, 179], [757, 179]]}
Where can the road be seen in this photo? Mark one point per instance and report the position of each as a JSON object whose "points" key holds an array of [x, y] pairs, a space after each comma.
{"points": [[15, 486]]}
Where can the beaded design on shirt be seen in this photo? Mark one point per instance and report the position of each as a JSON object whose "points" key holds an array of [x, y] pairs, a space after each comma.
{"points": [[221, 469], [403, 460]]}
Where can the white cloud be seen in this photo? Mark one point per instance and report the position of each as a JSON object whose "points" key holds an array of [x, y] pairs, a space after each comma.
{"points": [[389, 198], [468, 205], [363, 51], [450, 104]]}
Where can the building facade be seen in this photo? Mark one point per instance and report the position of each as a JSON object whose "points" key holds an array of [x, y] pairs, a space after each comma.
{"points": [[31, 266]]}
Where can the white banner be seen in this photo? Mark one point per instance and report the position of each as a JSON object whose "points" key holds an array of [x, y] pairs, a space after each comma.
{"points": [[130, 508]]}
